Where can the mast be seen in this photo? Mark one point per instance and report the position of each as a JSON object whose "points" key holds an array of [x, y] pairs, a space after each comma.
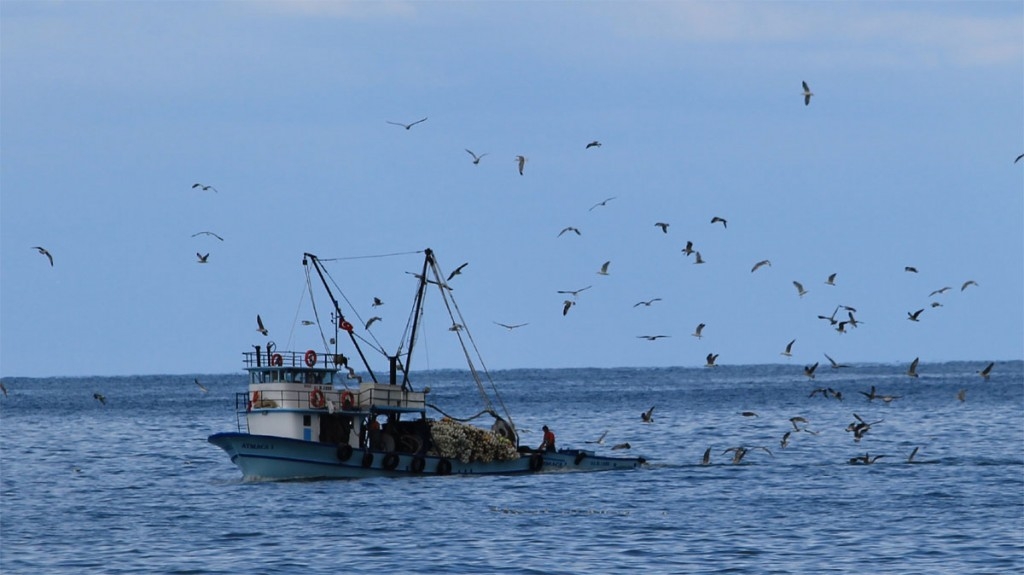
{"points": [[337, 311], [417, 312]]}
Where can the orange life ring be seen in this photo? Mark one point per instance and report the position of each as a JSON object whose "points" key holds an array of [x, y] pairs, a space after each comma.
{"points": [[348, 400], [316, 399], [310, 358], [276, 359], [255, 400]]}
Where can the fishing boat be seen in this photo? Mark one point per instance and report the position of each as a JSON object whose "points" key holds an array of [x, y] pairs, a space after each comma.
{"points": [[310, 415]]}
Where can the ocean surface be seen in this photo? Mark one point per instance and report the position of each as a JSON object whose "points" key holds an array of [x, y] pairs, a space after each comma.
{"points": [[132, 486]]}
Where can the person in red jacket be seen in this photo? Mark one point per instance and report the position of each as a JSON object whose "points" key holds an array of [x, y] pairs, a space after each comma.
{"points": [[549, 440]]}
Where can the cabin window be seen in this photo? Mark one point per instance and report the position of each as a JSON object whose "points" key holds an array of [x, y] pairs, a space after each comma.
{"points": [[307, 420]]}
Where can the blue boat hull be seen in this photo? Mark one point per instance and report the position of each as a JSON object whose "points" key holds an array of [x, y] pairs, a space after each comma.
{"points": [[270, 458]]}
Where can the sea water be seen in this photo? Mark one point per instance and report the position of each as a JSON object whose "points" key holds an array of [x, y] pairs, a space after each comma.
{"points": [[132, 486]]}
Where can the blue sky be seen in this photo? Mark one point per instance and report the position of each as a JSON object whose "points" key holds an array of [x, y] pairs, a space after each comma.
{"points": [[904, 157]]}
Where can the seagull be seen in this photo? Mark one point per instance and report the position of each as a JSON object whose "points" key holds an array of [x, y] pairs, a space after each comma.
{"points": [[569, 229], [259, 325], [696, 333], [476, 158], [370, 321], [717, 219], [652, 337], [203, 187], [760, 264], [202, 258], [912, 372], [406, 126], [308, 322], [831, 280], [1018, 158], [711, 360], [865, 459], [940, 291], [785, 440], [647, 303], [748, 414], [457, 271], [604, 268], [795, 421], [870, 395], [594, 144], [835, 365], [648, 416], [740, 452], [663, 226], [207, 234], [46, 253], [522, 163], [512, 326], [201, 386], [809, 370], [706, 460], [968, 283], [699, 259], [100, 398], [377, 302], [688, 249], [566, 305], [910, 459], [800, 289], [788, 352], [913, 316], [910, 269], [599, 440], [601, 203], [807, 93], [987, 371], [574, 293]]}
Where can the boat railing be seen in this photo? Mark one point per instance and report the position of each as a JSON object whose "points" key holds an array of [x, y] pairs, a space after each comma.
{"points": [[304, 359]]}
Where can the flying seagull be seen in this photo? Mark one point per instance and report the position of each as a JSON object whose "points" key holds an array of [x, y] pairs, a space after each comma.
{"points": [[663, 226], [202, 387], [800, 289], [594, 144], [910, 269], [696, 332], [652, 337], [912, 372], [406, 126], [377, 302], [259, 326], [100, 398], [807, 94], [940, 291], [648, 416], [370, 321], [711, 360], [913, 316], [809, 370], [203, 187], [987, 371], [207, 234], [512, 326], [202, 258], [569, 229], [604, 268], [575, 292], [46, 253], [968, 283], [788, 352], [717, 219], [646, 303], [760, 264], [601, 203], [522, 163], [599, 440], [476, 158], [1018, 158], [831, 280], [566, 305], [457, 271], [835, 364], [688, 249], [699, 259]]}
